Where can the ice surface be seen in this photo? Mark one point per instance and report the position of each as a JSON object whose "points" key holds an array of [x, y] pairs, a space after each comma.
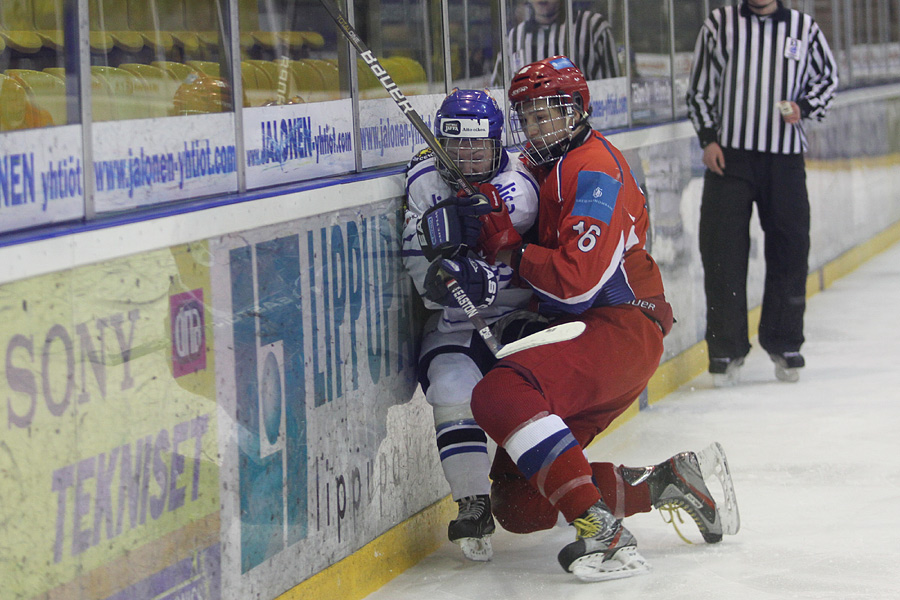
{"points": [[816, 468]]}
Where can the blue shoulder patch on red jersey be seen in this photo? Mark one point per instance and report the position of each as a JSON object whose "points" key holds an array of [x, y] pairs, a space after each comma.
{"points": [[596, 196]]}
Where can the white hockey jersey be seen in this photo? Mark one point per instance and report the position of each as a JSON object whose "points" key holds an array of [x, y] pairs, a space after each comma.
{"points": [[425, 188]]}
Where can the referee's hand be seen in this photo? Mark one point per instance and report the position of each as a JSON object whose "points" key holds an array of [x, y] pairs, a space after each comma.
{"points": [[714, 159]]}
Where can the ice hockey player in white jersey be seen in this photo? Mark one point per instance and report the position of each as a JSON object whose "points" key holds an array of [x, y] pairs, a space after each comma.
{"points": [[442, 222]]}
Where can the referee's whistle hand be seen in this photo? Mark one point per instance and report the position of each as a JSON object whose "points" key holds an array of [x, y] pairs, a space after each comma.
{"points": [[792, 117], [714, 159]]}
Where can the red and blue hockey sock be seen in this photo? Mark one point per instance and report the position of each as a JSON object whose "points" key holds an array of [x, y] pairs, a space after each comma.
{"points": [[546, 452]]}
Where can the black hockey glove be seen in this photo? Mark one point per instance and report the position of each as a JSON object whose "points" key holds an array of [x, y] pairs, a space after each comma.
{"points": [[449, 227], [476, 278]]}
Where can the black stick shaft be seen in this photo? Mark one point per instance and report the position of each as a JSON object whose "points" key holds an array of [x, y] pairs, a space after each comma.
{"points": [[402, 102], [410, 113], [475, 317]]}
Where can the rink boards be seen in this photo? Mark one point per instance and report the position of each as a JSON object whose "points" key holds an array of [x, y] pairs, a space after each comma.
{"points": [[222, 404]]}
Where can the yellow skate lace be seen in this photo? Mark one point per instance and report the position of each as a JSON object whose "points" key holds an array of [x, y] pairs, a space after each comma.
{"points": [[586, 527], [671, 509]]}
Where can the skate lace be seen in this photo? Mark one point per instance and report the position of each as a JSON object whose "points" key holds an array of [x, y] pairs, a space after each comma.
{"points": [[672, 509], [587, 527], [470, 508]]}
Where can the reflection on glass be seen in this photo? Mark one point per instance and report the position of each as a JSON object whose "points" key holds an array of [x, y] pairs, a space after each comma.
{"points": [[31, 40], [289, 53], [474, 42], [541, 30], [405, 35], [689, 18], [156, 59], [829, 16], [651, 83]]}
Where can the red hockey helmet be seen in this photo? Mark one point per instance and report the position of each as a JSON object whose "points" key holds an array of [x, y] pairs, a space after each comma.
{"points": [[551, 103], [554, 76]]}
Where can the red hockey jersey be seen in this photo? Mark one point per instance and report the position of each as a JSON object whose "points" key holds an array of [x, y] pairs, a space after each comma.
{"points": [[592, 229]]}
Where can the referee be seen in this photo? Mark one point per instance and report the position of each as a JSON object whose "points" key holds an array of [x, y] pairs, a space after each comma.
{"points": [[546, 33], [759, 68]]}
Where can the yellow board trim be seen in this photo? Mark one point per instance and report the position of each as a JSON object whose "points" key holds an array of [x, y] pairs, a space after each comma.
{"points": [[382, 559]]}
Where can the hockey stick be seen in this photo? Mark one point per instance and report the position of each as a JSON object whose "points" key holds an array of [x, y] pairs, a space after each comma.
{"points": [[551, 335], [558, 333], [402, 102]]}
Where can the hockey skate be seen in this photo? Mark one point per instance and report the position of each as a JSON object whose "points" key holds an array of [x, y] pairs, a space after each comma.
{"points": [[788, 365], [725, 371], [472, 528], [678, 483], [603, 548]]}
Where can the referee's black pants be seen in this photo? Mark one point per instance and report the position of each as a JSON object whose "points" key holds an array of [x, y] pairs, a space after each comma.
{"points": [[776, 183]]}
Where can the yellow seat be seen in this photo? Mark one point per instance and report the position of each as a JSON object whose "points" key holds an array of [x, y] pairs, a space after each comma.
{"points": [[168, 19], [271, 68], [48, 92], [258, 86], [127, 92], [282, 43], [369, 85], [112, 16], [178, 70], [102, 106], [12, 104], [331, 76], [17, 26], [201, 16], [313, 39], [48, 16], [207, 67], [415, 73], [59, 72], [286, 86], [160, 86], [309, 79], [146, 18]]}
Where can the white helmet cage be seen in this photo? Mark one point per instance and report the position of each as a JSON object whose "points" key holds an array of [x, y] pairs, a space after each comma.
{"points": [[548, 124]]}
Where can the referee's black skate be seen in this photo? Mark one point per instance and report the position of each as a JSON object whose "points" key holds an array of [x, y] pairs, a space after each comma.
{"points": [[473, 527], [678, 483], [787, 365], [603, 549]]}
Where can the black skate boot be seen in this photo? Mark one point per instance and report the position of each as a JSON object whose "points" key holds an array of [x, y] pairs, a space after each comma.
{"points": [[473, 527], [726, 371], [678, 483], [603, 549]]}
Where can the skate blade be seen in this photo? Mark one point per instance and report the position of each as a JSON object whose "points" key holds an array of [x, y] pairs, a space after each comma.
{"points": [[626, 562], [477, 549], [726, 380], [714, 464], [788, 375]]}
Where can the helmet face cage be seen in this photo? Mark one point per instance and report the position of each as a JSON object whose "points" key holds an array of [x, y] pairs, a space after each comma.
{"points": [[547, 124], [477, 158], [469, 125]]}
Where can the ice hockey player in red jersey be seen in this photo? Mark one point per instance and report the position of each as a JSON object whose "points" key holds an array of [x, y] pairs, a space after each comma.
{"points": [[544, 405]]}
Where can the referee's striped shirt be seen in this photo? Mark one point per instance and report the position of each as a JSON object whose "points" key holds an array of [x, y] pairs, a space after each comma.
{"points": [[594, 48], [744, 64]]}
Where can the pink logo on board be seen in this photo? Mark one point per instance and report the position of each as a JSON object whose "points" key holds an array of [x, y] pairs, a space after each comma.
{"points": [[188, 333]]}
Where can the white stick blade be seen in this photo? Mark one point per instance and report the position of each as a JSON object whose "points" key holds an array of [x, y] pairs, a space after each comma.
{"points": [[552, 335]]}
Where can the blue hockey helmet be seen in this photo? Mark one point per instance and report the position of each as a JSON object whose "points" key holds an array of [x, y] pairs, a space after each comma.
{"points": [[469, 125]]}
